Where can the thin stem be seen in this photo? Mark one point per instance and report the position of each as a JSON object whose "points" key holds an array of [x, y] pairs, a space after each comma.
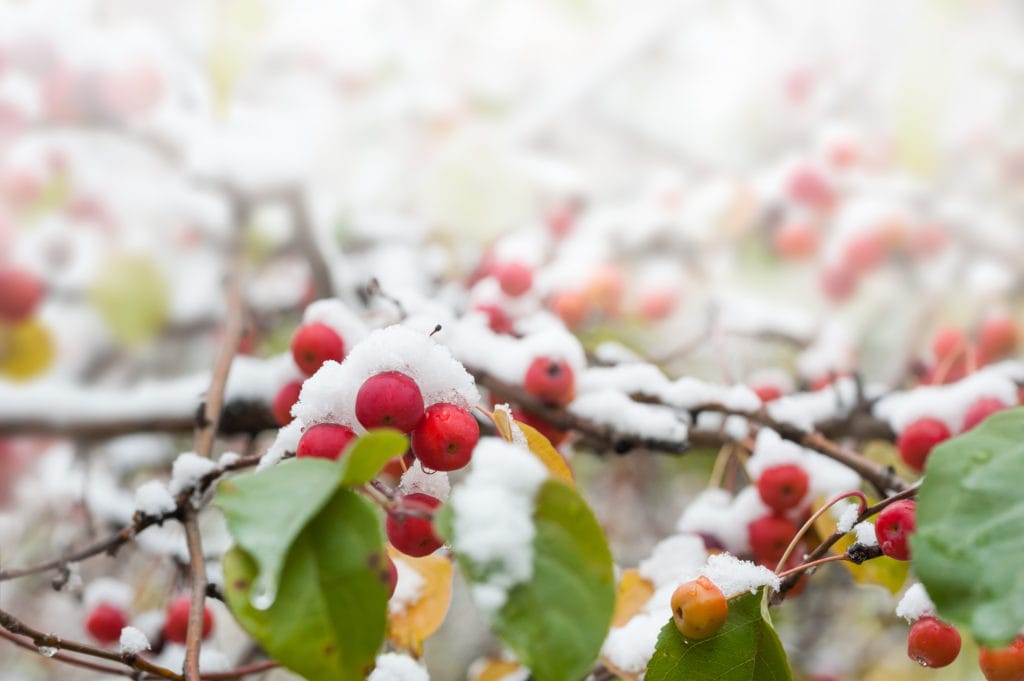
{"points": [[803, 567], [817, 514]]}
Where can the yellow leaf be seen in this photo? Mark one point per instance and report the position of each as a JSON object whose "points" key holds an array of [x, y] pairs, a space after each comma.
{"points": [[408, 629], [537, 443], [26, 350], [631, 596], [548, 455], [496, 670]]}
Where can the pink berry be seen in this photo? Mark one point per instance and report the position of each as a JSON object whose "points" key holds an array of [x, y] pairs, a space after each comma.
{"points": [[445, 439], [497, 319], [981, 410], [863, 253], [767, 392], [838, 283], [325, 441], [551, 380], [413, 533], [933, 643], [948, 341], [783, 487], [515, 278], [105, 622], [894, 527], [287, 396], [176, 622], [917, 440], [20, 293], [997, 338], [314, 344], [769, 536], [809, 187], [389, 400], [796, 241]]}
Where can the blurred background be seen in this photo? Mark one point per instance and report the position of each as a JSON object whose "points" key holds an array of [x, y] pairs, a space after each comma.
{"points": [[769, 192]]}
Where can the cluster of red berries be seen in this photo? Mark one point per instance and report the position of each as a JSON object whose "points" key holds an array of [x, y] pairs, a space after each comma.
{"points": [[919, 438], [312, 345], [782, 488], [956, 352], [105, 621], [934, 643]]}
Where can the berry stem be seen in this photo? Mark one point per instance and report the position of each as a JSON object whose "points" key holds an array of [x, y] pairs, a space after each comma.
{"points": [[817, 514], [814, 563]]}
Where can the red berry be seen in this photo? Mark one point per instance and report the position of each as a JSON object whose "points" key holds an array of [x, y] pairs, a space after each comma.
{"points": [[796, 241], [770, 536], [809, 187], [783, 487], [325, 441], [515, 278], [314, 344], [917, 440], [287, 396], [389, 400], [863, 253], [997, 338], [657, 304], [392, 577], [699, 609], [571, 306], [767, 393], [981, 410], [105, 622], [20, 293], [176, 623], [1003, 664], [932, 643], [445, 438], [497, 319], [838, 283], [947, 342], [551, 380], [413, 534], [894, 526]]}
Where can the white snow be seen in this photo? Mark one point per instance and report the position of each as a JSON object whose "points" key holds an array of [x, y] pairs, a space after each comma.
{"points": [[734, 576], [915, 604], [614, 408], [508, 358], [108, 590], [133, 641], [848, 517], [493, 523], [337, 315], [408, 588], [153, 499], [416, 479], [189, 468], [674, 560], [865, 532], [630, 647], [518, 436], [287, 441], [397, 667]]}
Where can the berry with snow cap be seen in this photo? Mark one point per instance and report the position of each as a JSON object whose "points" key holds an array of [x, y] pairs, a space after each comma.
{"points": [[105, 622], [933, 643], [783, 487], [325, 441], [389, 400], [699, 609], [770, 535], [314, 344], [445, 438], [281, 407]]}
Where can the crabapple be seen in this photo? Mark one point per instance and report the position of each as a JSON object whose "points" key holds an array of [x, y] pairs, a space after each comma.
{"points": [[515, 278], [389, 400], [313, 344], [770, 536], [176, 623], [838, 283], [783, 487], [325, 441], [571, 306], [605, 287], [445, 438], [1003, 664], [795, 241], [981, 410], [497, 319], [809, 187], [863, 253], [20, 293], [551, 380], [105, 622], [947, 341], [767, 392], [997, 338], [699, 609], [413, 533], [933, 643], [894, 526], [657, 304], [287, 396], [917, 440]]}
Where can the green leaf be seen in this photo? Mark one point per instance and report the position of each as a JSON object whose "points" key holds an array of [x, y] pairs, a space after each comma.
{"points": [[329, 618], [556, 622], [363, 460], [746, 648], [266, 511], [969, 543]]}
